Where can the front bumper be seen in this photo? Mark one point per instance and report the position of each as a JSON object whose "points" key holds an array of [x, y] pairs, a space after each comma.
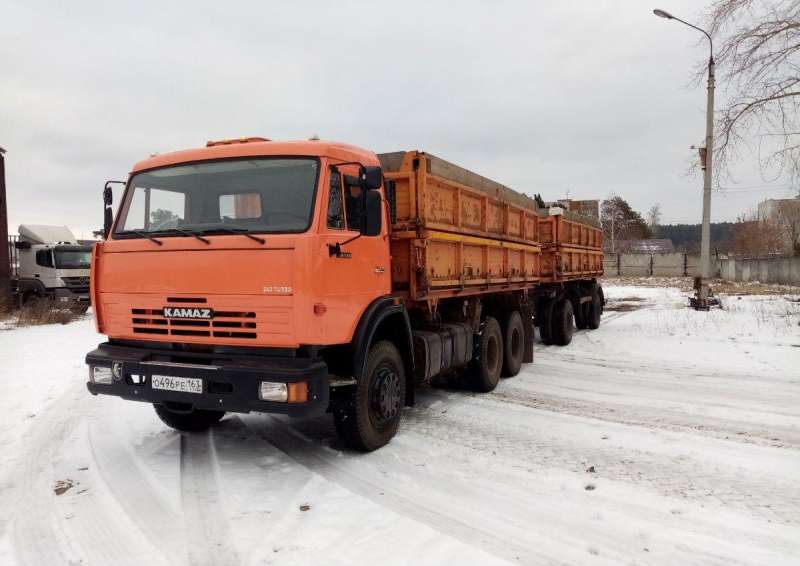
{"points": [[62, 295], [230, 382]]}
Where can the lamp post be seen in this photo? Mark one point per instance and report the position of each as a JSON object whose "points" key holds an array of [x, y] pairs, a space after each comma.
{"points": [[700, 301]]}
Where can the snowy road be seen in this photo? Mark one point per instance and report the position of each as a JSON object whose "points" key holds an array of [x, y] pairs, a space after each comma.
{"points": [[665, 437]]}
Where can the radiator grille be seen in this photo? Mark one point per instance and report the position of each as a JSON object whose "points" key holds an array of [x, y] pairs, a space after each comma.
{"points": [[225, 324], [77, 284]]}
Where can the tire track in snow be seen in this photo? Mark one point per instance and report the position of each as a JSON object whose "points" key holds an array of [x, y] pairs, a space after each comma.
{"points": [[73, 527], [535, 447], [413, 505], [207, 530], [130, 486], [644, 416]]}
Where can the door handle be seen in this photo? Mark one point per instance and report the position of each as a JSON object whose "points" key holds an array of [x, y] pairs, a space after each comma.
{"points": [[379, 269]]}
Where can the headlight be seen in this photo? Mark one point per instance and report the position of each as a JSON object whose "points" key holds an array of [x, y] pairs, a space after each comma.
{"points": [[270, 391], [100, 374]]}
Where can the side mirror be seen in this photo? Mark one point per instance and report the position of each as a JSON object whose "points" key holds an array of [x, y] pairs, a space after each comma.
{"points": [[108, 213], [371, 177], [371, 221]]}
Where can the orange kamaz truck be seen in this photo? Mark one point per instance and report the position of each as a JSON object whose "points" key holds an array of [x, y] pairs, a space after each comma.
{"points": [[311, 276]]}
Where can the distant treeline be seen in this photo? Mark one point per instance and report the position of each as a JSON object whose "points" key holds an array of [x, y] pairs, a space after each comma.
{"points": [[686, 237]]}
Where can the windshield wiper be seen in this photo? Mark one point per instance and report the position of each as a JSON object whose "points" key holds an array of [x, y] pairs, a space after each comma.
{"points": [[240, 231], [143, 235], [186, 233]]}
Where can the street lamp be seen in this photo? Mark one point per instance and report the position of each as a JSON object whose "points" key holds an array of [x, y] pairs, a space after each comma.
{"points": [[700, 301]]}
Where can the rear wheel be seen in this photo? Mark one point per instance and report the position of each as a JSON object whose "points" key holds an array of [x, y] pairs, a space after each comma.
{"points": [[486, 368], [582, 316], [562, 326], [595, 309], [514, 345], [370, 417], [192, 421], [544, 320]]}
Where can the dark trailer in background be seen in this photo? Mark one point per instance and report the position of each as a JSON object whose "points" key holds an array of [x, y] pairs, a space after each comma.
{"points": [[5, 257]]}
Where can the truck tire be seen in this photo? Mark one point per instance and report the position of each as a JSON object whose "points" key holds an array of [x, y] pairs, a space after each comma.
{"points": [[545, 322], [581, 316], [486, 368], [602, 299], [370, 417], [562, 326], [595, 310], [514, 345], [194, 421]]}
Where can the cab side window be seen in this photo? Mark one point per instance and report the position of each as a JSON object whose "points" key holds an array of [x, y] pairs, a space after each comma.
{"points": [[44, 258], [335, 207], [355, 206]]}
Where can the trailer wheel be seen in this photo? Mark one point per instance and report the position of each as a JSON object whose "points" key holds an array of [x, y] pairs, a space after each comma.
{"points": [[193, 421], [595, 309], [514, 345], [369, 419], [602, 299], [545, 318], [485, 370], [581, 316], [562, 326]]}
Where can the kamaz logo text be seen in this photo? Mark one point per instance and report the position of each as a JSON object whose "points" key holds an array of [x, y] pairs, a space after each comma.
{"points": [[187, 312]]}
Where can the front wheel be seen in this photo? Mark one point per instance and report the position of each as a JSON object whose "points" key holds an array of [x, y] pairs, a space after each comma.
{"points": [[191, 421], [370, 417]]}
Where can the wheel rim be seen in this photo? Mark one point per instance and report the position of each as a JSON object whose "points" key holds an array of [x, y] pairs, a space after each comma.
{"points": [[384, 395]]}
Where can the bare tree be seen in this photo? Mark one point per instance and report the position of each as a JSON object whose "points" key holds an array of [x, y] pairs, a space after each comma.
{"points": [[787, 218], [654, 216], [756, 237], [758, 50]]}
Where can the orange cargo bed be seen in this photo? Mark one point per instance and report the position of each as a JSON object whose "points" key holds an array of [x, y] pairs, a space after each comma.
{"points": [[456, 232]]}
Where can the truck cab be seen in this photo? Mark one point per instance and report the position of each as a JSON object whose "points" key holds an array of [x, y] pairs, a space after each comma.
{"points": [[49, 264], [245, 276]]}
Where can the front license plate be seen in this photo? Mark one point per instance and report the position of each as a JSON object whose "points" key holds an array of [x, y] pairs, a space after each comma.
{"points": [[182, 384]]}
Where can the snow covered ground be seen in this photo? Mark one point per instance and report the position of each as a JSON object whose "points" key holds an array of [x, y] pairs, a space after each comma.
{"points": [[667, 436]]}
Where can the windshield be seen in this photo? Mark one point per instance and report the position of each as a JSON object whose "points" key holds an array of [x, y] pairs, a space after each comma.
{"points": [[248, 195], [73, 259]]}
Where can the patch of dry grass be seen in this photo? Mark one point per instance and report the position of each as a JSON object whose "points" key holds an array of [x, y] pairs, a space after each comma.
{"points": [[36, 313]]}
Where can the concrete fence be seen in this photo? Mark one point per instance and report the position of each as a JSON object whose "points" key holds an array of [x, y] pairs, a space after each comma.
{"points": [[774, 270]]}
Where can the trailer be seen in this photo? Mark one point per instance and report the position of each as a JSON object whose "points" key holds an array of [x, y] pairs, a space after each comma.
{"points": [[304, 277], [569, 294]]}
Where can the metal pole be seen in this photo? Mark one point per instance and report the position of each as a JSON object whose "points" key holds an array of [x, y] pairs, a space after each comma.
{"points": [[705, 238], [700, 300]]}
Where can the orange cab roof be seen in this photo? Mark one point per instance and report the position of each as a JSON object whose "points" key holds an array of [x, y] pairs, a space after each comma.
{"points": [[249, 147]]}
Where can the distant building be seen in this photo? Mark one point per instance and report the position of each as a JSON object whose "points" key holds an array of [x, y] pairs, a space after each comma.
{"points": [[652, 246], [768, 209], [590, 208]]}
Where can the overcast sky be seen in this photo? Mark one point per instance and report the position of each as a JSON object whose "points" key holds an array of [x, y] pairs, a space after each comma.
{"points": [[581, 97]]}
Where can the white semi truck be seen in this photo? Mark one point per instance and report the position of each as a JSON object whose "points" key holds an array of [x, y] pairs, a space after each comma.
{"points": [[48, 263]]}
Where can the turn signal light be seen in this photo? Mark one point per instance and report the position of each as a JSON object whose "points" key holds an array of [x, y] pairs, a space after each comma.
{"points": [[283, 392], [298, 392]]}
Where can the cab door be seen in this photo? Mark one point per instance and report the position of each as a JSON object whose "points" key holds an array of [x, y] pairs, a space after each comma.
{"points": [[350, 281]]}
